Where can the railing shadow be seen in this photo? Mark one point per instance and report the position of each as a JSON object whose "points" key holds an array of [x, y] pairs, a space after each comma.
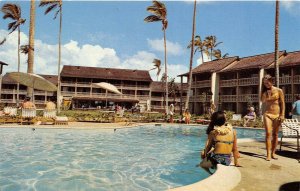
{"points": [[253, 154]]}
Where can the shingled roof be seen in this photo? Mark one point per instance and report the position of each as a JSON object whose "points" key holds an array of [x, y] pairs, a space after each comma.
{"points": [[160, 86], [291, 59], [213, 66], [257, 61], [106, 73], [7, 80]]}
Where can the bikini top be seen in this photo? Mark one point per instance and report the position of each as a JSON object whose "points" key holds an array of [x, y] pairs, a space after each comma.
{"points": [[273, 97]]}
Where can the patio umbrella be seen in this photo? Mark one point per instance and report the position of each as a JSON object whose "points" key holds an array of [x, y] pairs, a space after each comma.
{"points": [[109, 87], [33, 80]]}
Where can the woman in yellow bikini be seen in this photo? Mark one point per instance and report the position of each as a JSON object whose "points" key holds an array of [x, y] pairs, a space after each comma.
{"points": [[273, 114]]}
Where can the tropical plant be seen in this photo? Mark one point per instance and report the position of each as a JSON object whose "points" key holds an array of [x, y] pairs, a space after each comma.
{"points": [[13, 12], [159, 11], [218, 54], [277, 44], [31, 43], [57, 6], [157, 65], [200, 46], [191, 60], [173, 89], [211, 43]]}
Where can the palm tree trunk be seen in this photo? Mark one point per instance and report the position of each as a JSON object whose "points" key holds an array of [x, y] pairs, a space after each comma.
{"points": [[31, 43], [59, 61], [277, 44], [18, 85], [166, 71], [191, 61]]}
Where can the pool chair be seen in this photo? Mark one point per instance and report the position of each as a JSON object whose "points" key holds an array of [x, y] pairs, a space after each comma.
{"points": [[28, 114], [291, 129], [10, 111], [49, 113], [236, 117], [59, 120]]}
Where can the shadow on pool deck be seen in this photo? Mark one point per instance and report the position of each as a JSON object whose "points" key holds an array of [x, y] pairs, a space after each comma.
{"points": [[291, 186]]}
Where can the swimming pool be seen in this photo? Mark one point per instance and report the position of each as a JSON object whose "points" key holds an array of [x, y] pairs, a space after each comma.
{"points": [[143, 158]]}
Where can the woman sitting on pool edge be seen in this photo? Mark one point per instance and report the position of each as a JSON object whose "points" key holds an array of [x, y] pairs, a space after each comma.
{"points": [[221, 142]]}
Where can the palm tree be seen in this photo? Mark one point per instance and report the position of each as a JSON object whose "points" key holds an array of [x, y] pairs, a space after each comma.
{"points": [[218, 54], [52, 5], [159, 11], [157, 65], [277, 44], [13, 11], [31, 43], [191, 60], [211, 43], [200, 46]]}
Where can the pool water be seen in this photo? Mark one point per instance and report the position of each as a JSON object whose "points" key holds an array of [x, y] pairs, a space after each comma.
{"points": [[143, 158]]}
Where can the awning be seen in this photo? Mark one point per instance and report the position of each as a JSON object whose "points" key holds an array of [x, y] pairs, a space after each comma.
{"points": [[106, 99]]}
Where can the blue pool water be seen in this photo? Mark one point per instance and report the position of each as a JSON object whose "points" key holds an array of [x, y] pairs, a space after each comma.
{"points": [[143, 158]]}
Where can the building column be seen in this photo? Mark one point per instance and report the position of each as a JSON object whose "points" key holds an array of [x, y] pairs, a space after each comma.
{"points": [[76, 87], [0, 86], [237, 108], [215, 87], [261, 75], [91, 88], [135, 91], [292, 85], [181, 89]]}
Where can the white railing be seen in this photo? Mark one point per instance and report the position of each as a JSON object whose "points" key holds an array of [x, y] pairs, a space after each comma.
{"points": [[10, 91], [228, 83], [68, 84], [248, 81], [248, 98], [8, 101], [199, 84], [228, 98], [297, 79], [285, 80]]}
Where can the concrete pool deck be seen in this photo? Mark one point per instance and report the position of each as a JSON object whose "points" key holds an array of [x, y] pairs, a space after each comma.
{"points": [[255, 174]]}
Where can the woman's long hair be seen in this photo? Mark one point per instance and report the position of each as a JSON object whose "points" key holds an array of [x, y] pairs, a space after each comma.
{"points": [[266, 77], [217, 119]]}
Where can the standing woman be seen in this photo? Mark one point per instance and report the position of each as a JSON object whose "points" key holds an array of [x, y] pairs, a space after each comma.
{"points": [[273, 114]]}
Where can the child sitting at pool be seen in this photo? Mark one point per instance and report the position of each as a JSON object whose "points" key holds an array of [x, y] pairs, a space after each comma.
{"points": [[221, 142]]}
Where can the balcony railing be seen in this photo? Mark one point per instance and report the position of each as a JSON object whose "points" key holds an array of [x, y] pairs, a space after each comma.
{"points": [[201, 84], [228, 98], [228, 83], [297, 79], [200, 98], [248, 98], [285, 80], [288, 97], [248, 81]]}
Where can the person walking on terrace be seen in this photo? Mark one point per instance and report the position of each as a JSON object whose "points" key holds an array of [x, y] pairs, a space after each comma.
{"points": [[296, 108], [273, 110]]}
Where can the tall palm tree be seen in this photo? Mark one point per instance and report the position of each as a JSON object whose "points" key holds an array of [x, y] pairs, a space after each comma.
{"points": [[157, 65], [277, 44], [200, 46], [13, 12], [159, 11], [211, 43], [218, 54], [57, 6], [191, 60], [31, 43]]}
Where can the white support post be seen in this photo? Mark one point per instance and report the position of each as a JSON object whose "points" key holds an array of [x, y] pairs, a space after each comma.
{"points": [[261, 75]]}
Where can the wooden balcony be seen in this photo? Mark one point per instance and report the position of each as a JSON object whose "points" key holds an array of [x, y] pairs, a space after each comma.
{"points": [[248, 98], [297, 79], [200, 98], [288, 97], [201, 84], [248, 81], [228, 98], [285, 80], [228, 83]]}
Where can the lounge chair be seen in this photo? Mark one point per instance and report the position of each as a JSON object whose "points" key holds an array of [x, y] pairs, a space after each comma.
{"points": [[10, 111], [291, 129], [49, 113], [236, 117], [28, 114], [61, 120]]}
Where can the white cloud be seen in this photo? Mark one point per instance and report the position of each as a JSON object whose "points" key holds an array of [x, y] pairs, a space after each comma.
{"points": [[292, 7], [46, 57], [205, 58], [173, 48]]}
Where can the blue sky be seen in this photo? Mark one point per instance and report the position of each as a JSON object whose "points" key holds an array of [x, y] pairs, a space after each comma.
{"points": [[113, 34]]}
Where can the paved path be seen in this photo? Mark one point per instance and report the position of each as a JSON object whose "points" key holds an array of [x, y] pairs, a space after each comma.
{"points": [[261, 175]]}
